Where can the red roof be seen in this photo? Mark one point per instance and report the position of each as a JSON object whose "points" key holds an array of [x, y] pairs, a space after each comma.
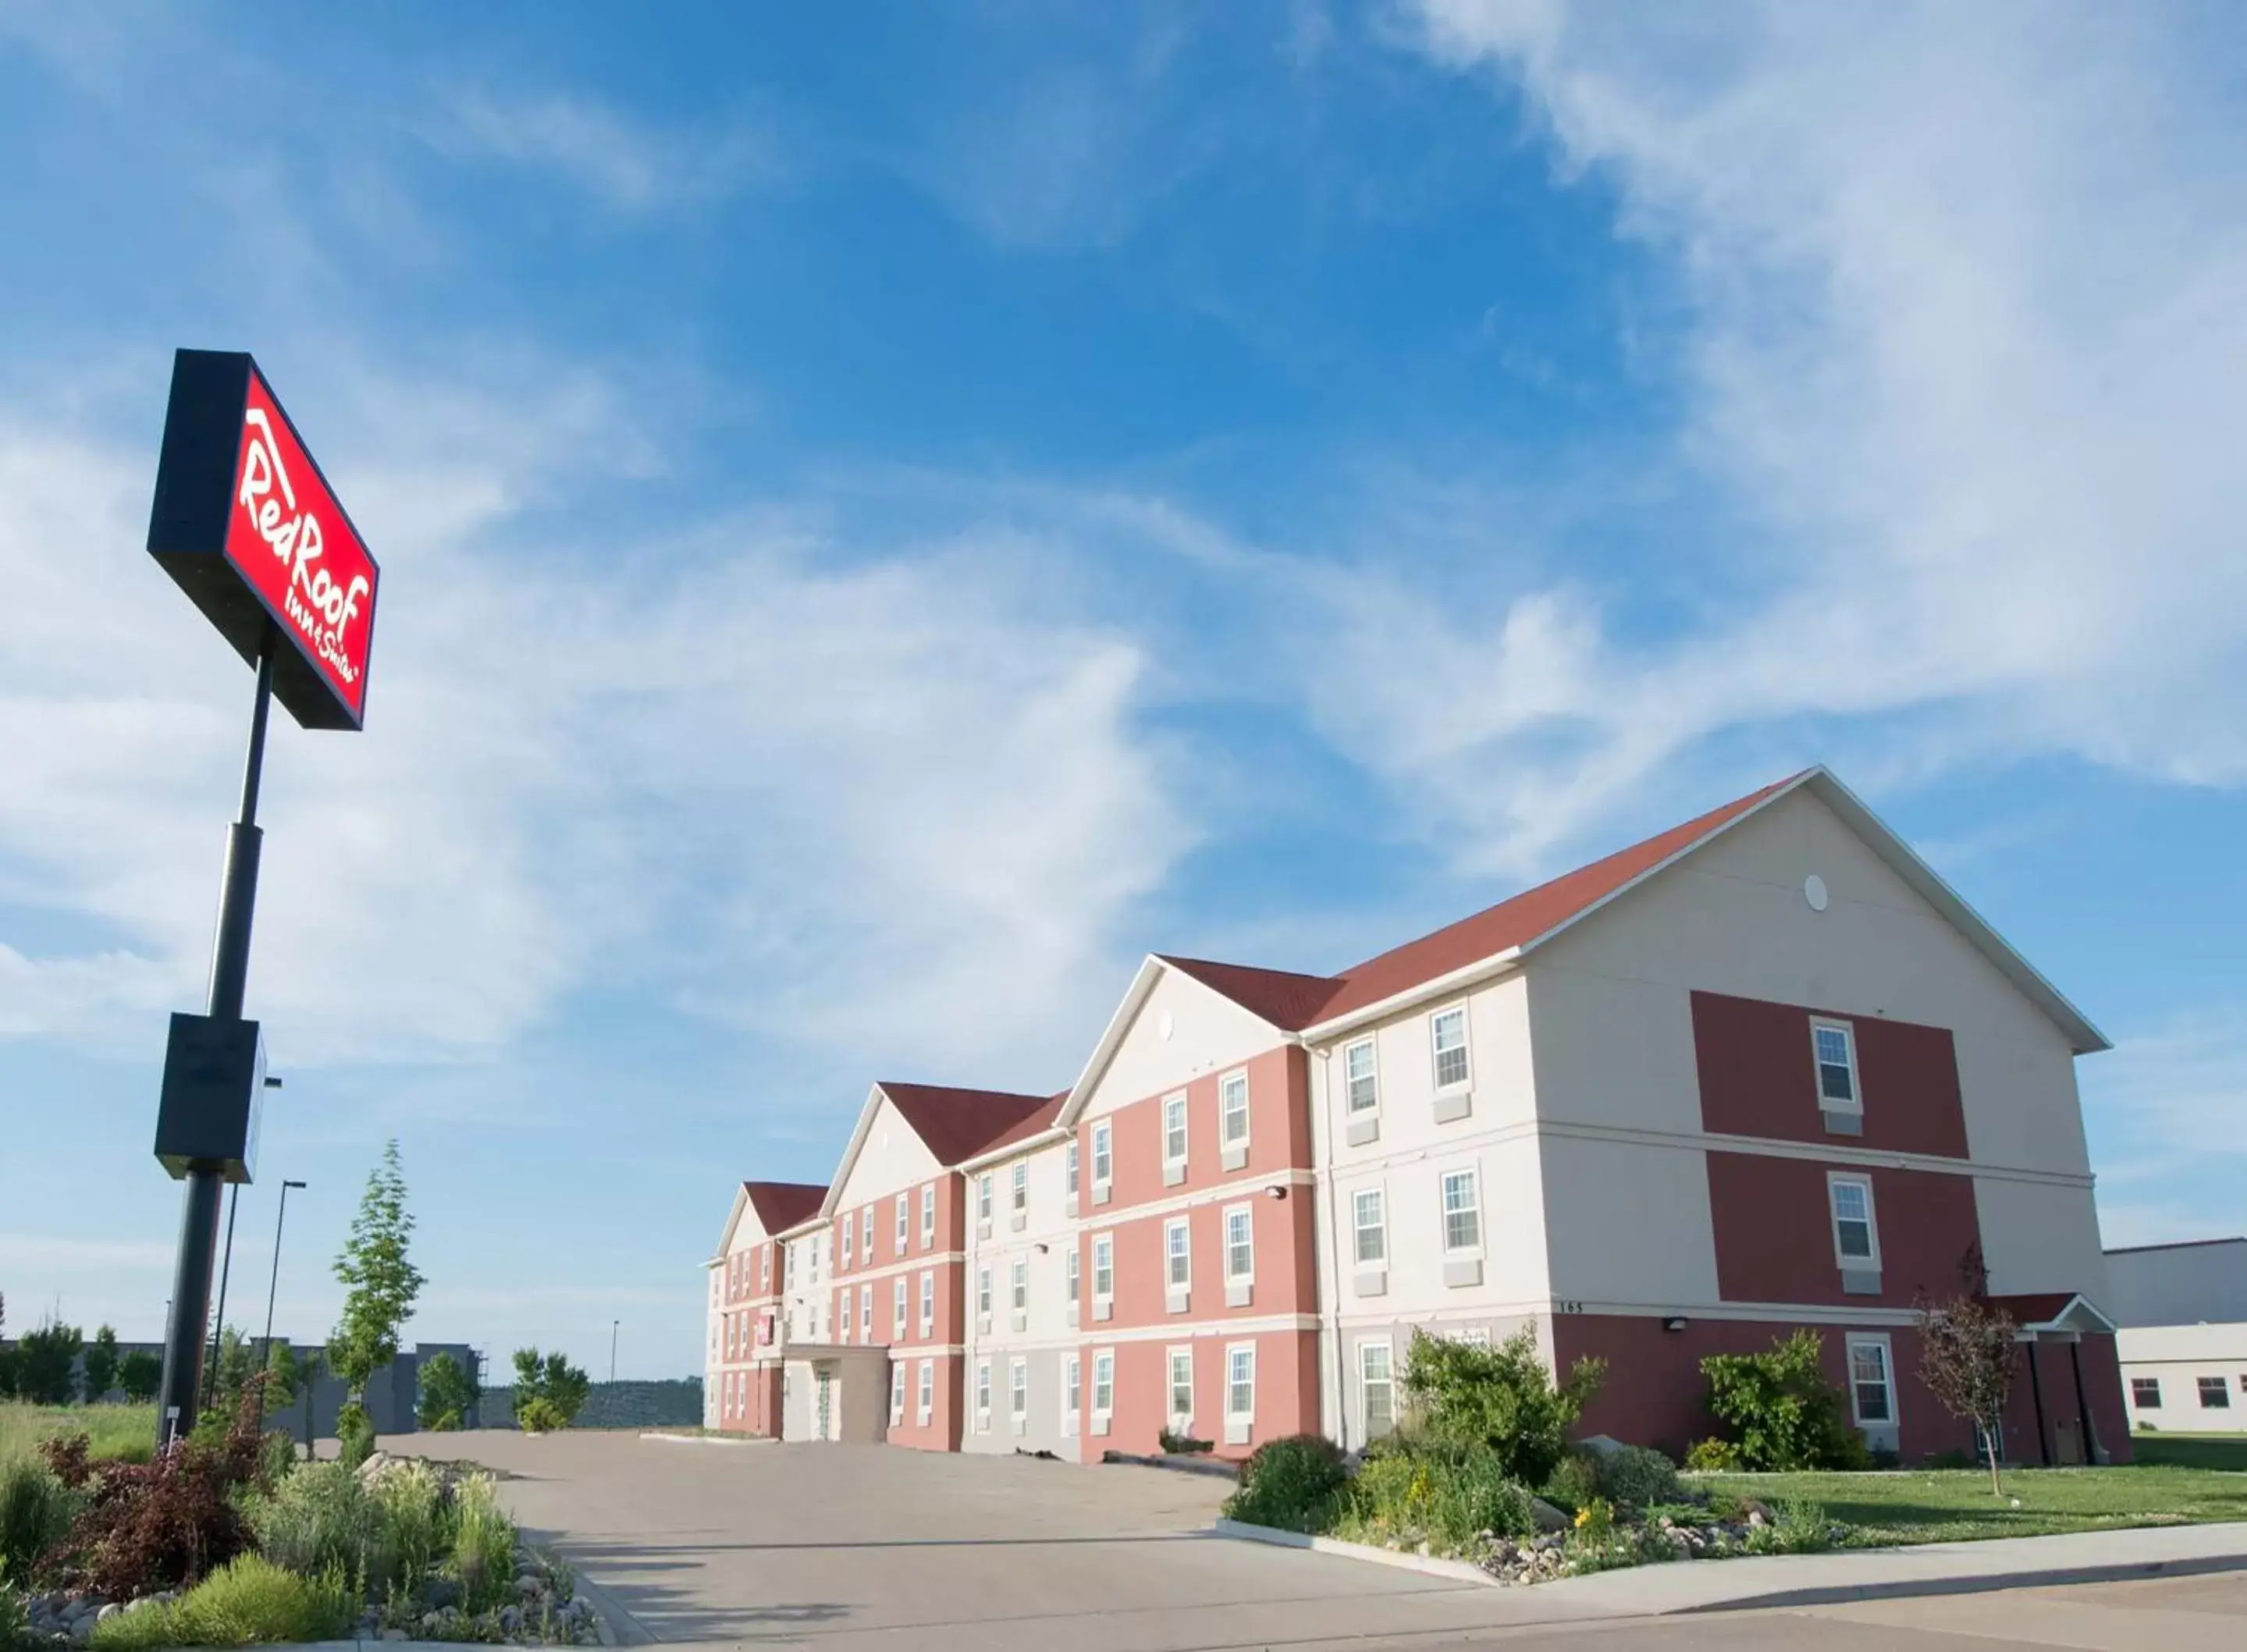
{"points": [[1292, 1002], [780, 1205], [1030, 1125], [958, 1124]]}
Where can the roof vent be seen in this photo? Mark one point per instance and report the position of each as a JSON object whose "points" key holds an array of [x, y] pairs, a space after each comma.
{"points": [[1813, 890]]}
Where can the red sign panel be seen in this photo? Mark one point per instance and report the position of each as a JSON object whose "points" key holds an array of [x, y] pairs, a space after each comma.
{"points": [[246, 524], [291, 541]]}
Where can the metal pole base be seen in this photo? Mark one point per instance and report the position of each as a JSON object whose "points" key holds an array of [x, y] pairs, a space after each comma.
{"points": [[191, 1284]]}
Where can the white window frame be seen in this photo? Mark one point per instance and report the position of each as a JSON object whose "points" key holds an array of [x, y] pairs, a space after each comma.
{"points": [[1018, 1388], [1103, 1262], [925, 1393], [1378, 1227], [983, 1200], [983, 1292], [897, 1310], [1850, 1344], [1103, 1155], [866, 1235], [764, 1267], [1177, 1259], [1234, 1082], [787, 1267], [1103, 1377], [1436, 1052], [1835, 1179], [1021, 1187], [1074, 1266], [1174, 1134], [843, 1319], [1233, 1354], [1387, 1349], [1818, 1063], [2139, 1403], [927, 1214], [2200, 1385], [1072, 1392], [1073, 1161], [928, 1301], [1018, 1285], [1350, 1106], [904, 1222], [1247, 1215], [865, 1313], [982, 1396], [850, 1237], [1444, 1212], [1170, 1357], [897, 1393]]}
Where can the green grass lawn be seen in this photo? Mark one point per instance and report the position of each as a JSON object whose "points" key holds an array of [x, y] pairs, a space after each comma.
{"points": [[119, 1431], [1950, 1506], [2192, 1450]]}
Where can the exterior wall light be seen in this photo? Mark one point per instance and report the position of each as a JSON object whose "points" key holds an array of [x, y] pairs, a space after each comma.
{"points": [[1674, 1323]]}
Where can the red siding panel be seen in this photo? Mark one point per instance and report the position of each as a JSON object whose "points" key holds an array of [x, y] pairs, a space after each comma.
{"points": [[1774, 1238], [1759, 1078]]}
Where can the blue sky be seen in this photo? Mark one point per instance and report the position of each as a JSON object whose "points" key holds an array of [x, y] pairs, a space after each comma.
{"points": [[883, 525]]}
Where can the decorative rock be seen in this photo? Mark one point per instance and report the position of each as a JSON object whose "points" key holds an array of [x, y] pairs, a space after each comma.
{"points": [[1548, 1517], [395, 1634], [108, 1612]]}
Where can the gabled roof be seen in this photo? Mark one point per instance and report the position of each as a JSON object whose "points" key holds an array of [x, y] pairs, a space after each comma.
{"points": [[954, 1124], [1319, 1007], [779, 1205], [2055, 1311]]}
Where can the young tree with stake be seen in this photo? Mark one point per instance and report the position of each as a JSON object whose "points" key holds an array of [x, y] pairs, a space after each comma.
{"points": [[1966, 1355], [380, 1286]]}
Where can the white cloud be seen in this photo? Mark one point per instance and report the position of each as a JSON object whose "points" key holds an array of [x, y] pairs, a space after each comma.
{"points": [[627, 166], [873, 798], [1961, 367], [2173, 1100]]}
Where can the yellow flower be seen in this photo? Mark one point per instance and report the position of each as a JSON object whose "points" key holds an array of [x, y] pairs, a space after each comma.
{"points": [[1583, 1517]]}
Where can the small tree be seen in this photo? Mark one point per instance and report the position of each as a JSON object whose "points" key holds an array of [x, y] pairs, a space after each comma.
{"points": [[1783, 1413], [1502, 1397], [380, 1283], [231, 1373], [1966, 1360], [140, 1374], [101, 1363], [281, 1376], [7, 1356], [448, 1392], [548, 1391], [46, 1363]]}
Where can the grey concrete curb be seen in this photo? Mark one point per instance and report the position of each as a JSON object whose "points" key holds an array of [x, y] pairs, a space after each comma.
{"points": [[1177, 1461], [1976, 1583], [705, 1440], [1458, 1571]]}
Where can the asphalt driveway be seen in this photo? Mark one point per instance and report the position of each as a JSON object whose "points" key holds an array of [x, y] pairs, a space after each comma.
{"points": [[843, 1547]]}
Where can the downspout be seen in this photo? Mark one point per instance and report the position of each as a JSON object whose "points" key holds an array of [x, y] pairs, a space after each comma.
{"points": [[1330, 1309]]}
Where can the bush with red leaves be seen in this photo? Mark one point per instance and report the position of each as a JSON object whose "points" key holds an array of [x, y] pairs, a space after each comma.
{"points": [[164, 1524]]}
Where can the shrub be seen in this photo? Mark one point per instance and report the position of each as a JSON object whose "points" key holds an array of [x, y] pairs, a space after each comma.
{"points": [[483, 1546], [1446, 1495], [101, 1363], [247, 1601], [1184, 1444], [140, 1374], [538, 1414], [1799, 1527], [1783, 1413], [447, 1393], [1501, 1397], [46, 1361], [552, 1379], [36, 1510], [1572, 1484], [1289, 1483], [16, 1622], [354, 1434], [321, 1517], [1712, 1455], [1634, 1476]]}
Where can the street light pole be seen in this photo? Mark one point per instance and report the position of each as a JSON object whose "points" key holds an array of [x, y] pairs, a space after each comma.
{"points": [[271, 1287], [613, 1351], [218, 1320]]}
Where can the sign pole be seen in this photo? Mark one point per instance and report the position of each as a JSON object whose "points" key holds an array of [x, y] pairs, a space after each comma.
{"points": [[191, 1276]]}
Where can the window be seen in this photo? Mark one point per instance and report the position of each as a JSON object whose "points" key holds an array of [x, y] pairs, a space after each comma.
{"points": [[2146, 1392], [845, 1311], [2214, 1394], [905, 1204], [1239, 1245], [1372, 1222], [982, 1394], [1360, 1082], [1449, 1030], [1856, 1241], [1072, 1391], [1232, 1110], [1376, 1387], [1072, 1159], [927, 1302], [1103, 1382], [1021, 1186], [925, 1401], [897, 1394], [865, 1313], [1021, 1284], [1177, 1252], [764, 1267], [928, 1215], [867, 1234], [1103, 1265], [983, 1198], [1868, 1380], [1241, 1382], [1835, 1047], [1462, 1211], [1181, 1386], [898, 1307], [983, 1292], [850, 1239], [1103, 1159], [1076, 1272], [787, 1267], [1174, 1129], [819, 1243]]}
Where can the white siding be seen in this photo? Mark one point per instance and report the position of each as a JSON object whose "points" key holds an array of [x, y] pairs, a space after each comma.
{"points": [[1208, 1034], [894, 1159], [1046, 1332]]}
